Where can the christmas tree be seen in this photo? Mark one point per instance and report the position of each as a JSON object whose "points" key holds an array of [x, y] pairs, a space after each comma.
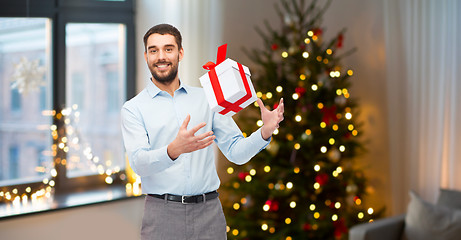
{"points": [[305, 185]]}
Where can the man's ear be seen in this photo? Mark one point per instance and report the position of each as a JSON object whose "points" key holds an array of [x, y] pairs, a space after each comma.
{"points": [[145, 56], [181, 54]]}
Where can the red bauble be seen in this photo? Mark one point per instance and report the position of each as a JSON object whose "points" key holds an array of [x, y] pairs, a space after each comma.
{"points": [[300, 91], [340, 228], [274, 46], [243, 175], [329, 114], [317, 31], [339, 44], [322, 178], [307, 227]]}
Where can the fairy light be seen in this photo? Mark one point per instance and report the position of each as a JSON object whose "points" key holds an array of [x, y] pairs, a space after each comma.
{"points": [[230, 170], [296, 170], [337, 205], [323, 125], [335, 127], [350, 72], [316, 185], [292, 204], [252, 172], [267, 169], [236, 206], [266, 207], [287, 221], [305, 54], [310, 33], [323, 149], [316, 215], [329, 51], [348, 116], [307, 40], [259, 123], [268, 95], [312, 207], [284, 54], [279, 89], [298, 118], [331, 141], [248, 178], [370, 211], [289, 185], [360, 215], [264, 227], [297, 146], [314, 87], [302, 77], [342, 148], [317, 167], [295, 96], [334, 217], [235, 232], [320, 105]]}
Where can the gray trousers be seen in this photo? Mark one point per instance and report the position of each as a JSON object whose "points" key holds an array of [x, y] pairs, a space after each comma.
{"points": [[167, 220]]}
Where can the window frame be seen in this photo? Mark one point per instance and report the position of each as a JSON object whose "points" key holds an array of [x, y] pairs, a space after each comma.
{"points": [[60, 13]]}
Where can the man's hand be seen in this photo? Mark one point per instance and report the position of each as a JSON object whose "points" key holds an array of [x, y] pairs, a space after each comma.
{"points": [[186, 141], [271, 119]]}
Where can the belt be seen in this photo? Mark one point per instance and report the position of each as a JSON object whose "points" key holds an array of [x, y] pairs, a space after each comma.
{"points": [[187, 199]]}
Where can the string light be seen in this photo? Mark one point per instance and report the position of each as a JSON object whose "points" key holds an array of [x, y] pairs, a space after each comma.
{"points": [[230, 170], [279, 89], [295, 96], [314, 87], [284, 54], [305, 54]]}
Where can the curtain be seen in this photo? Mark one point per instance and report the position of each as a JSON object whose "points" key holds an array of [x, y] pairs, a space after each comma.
{"points": [[423, 69]]}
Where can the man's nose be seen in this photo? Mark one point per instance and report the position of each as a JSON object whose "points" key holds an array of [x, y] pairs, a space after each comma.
{"points": [[161, 54]]}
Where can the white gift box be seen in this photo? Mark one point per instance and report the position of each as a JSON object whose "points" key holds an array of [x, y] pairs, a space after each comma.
{"points": [[233, 87]]}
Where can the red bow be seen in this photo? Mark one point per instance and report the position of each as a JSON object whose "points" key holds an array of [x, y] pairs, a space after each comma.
{"points": [[228, 106]]}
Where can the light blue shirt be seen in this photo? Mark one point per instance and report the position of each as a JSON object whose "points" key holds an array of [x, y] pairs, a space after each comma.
{"points": [[151, 120]]}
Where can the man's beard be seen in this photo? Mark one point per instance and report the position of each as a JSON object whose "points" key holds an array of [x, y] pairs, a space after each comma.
{"points": [[167, 78]]}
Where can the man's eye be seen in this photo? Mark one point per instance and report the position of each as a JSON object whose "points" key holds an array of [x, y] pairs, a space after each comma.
{"points": [[169, 49], [153, 51]]}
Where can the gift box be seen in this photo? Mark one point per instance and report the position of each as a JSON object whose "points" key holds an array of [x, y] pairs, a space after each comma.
{"points": [[227, 85]]}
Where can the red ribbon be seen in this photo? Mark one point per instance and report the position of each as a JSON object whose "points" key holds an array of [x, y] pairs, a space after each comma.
{"points": [[228, 106]]}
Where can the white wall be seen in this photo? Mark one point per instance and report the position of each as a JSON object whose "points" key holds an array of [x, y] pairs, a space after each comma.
{"points": [[113, 220]]}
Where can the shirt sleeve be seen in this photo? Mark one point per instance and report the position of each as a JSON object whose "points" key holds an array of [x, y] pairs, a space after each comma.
{"points": [[143, 160], [233, 144]]}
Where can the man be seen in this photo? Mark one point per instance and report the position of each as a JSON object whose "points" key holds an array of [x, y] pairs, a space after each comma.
{"points": [[167, 130]]}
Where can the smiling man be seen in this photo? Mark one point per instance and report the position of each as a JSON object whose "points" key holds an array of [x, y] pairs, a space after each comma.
{"points": [[167, 130]]}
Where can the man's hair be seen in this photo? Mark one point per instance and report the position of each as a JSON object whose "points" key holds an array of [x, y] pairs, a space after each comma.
{"points": [[163, 29]]}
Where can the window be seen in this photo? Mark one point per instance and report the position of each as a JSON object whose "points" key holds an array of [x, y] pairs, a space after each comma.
{"points": [[64, 66], [26, 86], [95, 68]]}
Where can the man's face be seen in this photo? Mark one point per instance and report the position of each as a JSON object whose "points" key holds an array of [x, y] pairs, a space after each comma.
{"points": [[162, 57]]}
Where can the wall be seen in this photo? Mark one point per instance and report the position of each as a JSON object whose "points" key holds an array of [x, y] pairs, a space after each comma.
{"points": [[114, 220]]}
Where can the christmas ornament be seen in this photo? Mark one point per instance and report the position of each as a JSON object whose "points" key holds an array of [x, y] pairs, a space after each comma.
{"points": [[329, 114], [28, 76]]}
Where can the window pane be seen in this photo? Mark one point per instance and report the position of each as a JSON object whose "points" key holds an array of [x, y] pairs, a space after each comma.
{"points": [[95, 80], [25, 93]]}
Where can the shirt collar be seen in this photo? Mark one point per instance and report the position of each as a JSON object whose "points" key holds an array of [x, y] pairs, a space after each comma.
{"points": [[153, 90]]}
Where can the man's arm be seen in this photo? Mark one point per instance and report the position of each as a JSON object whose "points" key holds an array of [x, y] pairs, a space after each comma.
{"points": [[239, 149]]}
